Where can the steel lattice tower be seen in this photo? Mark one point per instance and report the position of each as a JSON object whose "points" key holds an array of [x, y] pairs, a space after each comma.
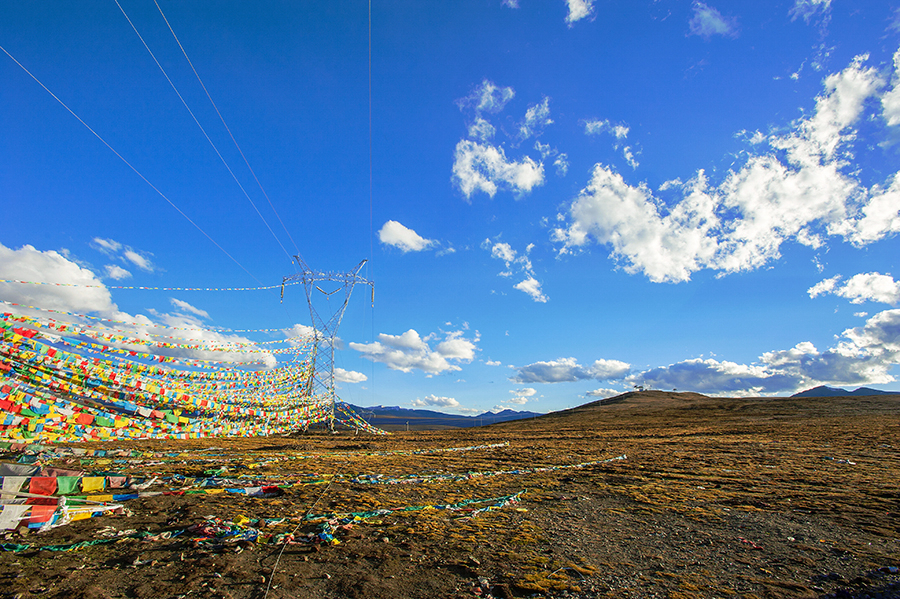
{"points": [[321, 381]]}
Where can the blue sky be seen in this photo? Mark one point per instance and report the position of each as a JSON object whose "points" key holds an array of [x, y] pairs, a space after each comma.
{"points": [[561, 200]]}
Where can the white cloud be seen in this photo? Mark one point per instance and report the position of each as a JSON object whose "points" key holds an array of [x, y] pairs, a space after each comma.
{"points": [[890, 101], [503, 251], [116, 273], [487, 97], [124, 253], [434, 401], [301, 330], [520, 396], [565, 370], [596, 127], [348, 376], [481, 166], [876, 344], [408, 352], [629, 157], [107, 246], [493, 363], [714, 377], [532, 287], [186, 307], [878, 217], [184, 328], [536, 118], [864, 356], [139, 260], [89, 295], [481, 129], [808, 8], [798, 191], [707, 22], [871, 286], [30, 264], [826, 286], [456, 347], [510, 257], [511, 3], [665, 247], [603, 393], [619, 131], [478, 167], [578, 9], [562, 164], [394, 234]]}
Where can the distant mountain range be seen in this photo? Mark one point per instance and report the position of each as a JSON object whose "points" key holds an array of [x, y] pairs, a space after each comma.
{"points": [[396, 418], [824, 391]]}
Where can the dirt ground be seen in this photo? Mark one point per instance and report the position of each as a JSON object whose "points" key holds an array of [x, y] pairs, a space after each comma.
{"points": [[752, 498]]}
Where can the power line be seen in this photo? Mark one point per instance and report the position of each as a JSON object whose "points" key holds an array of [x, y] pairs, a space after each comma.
{"points": [[219, 154], [227, 128], [129, 165]]}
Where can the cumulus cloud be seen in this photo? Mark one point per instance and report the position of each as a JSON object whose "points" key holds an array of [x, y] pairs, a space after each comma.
{"points": [[617, 130], [139, 260], [124, 253], [809, 8], [29, 264], [560, 159], [116, 273], [603, 393], [409, 351], [629, 157], [561, 162], [487, 97], [890, 101], [513, 260], [566, 370], [348, 376], [485, 168], [186, 328], [708, 21], [597, 126], [301, 330], [863, 356], [396, 235], [536, 118], [578, 9], [482, 166], [83, 292], [520, 396], [434, 401], [802, 189], [532, 287], [863, 287], [504, 252], [481, 129], [186, 307], [108, 246]]}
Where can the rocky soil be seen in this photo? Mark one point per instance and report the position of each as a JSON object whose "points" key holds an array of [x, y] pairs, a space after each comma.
{"points": [[751, 498]]}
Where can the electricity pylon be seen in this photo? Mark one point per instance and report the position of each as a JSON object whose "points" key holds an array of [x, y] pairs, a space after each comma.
{"points": [[321, 380]]}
